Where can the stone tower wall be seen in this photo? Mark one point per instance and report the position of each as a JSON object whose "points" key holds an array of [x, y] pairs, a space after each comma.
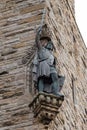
{"points": [[18, 20], [72, 5]]}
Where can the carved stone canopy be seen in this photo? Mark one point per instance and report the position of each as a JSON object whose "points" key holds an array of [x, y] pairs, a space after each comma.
{"points": [[45, 106], [45, 33]]}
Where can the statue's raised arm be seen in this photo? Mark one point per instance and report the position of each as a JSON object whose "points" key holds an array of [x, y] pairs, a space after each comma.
{"points": [[37, 39]]}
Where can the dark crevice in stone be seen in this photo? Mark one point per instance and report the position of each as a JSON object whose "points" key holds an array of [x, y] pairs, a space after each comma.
{"points": [[83, 60], [74, 39], [70, 52], [18, 1], [8, 52], [85, 111], [1, 58], [60, 12], [4, 72], [12, 95], [3, 104], [3, 91], [73, 88], [15, 33], [21, 113], [51, 5], [59, 43], [8, 123]]}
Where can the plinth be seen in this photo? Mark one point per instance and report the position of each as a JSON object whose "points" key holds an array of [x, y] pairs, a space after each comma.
{"points": [[45, 106]]}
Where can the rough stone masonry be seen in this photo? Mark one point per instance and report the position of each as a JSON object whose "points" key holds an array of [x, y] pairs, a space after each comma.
{"points": [[18, 20]]}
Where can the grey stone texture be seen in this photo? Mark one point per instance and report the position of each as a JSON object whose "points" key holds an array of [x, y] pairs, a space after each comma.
{"points": [[18, 20]]}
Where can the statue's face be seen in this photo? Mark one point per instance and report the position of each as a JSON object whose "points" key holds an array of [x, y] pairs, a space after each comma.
{"points": [[44, 42], [49, 46]]}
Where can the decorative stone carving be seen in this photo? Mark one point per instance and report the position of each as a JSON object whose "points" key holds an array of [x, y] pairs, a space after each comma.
{"points": [[45, 106]]}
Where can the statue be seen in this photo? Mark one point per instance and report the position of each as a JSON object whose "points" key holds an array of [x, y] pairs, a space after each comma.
{"points": [[44, 65]]}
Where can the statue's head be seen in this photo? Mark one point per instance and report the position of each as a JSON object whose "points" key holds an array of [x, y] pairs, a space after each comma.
{"points": [[44, 40], [50, 46]]}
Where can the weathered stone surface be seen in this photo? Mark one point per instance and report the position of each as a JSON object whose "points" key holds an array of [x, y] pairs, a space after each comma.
{"points": [[18, 20]]}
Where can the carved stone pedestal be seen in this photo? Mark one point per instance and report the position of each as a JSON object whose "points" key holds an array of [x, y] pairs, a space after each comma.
{"points": [[45, 106]]}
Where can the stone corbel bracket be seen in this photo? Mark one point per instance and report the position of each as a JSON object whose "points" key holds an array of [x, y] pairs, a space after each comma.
{"points": [[45, 106]]}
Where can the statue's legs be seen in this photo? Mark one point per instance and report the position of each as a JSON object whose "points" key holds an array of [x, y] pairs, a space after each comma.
{"points": [[55, 84], [54, 78], [41, 85]]}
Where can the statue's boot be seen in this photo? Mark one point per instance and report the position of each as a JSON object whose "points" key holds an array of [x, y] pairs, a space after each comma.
{"points": [[40, 85], [58, 94]]}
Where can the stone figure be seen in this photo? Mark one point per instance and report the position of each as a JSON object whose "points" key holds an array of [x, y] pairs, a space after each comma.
{"points": [[44, 65]]}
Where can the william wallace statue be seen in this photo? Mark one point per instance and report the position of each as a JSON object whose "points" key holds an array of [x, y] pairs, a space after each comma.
{"points": [[44, 64]]}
